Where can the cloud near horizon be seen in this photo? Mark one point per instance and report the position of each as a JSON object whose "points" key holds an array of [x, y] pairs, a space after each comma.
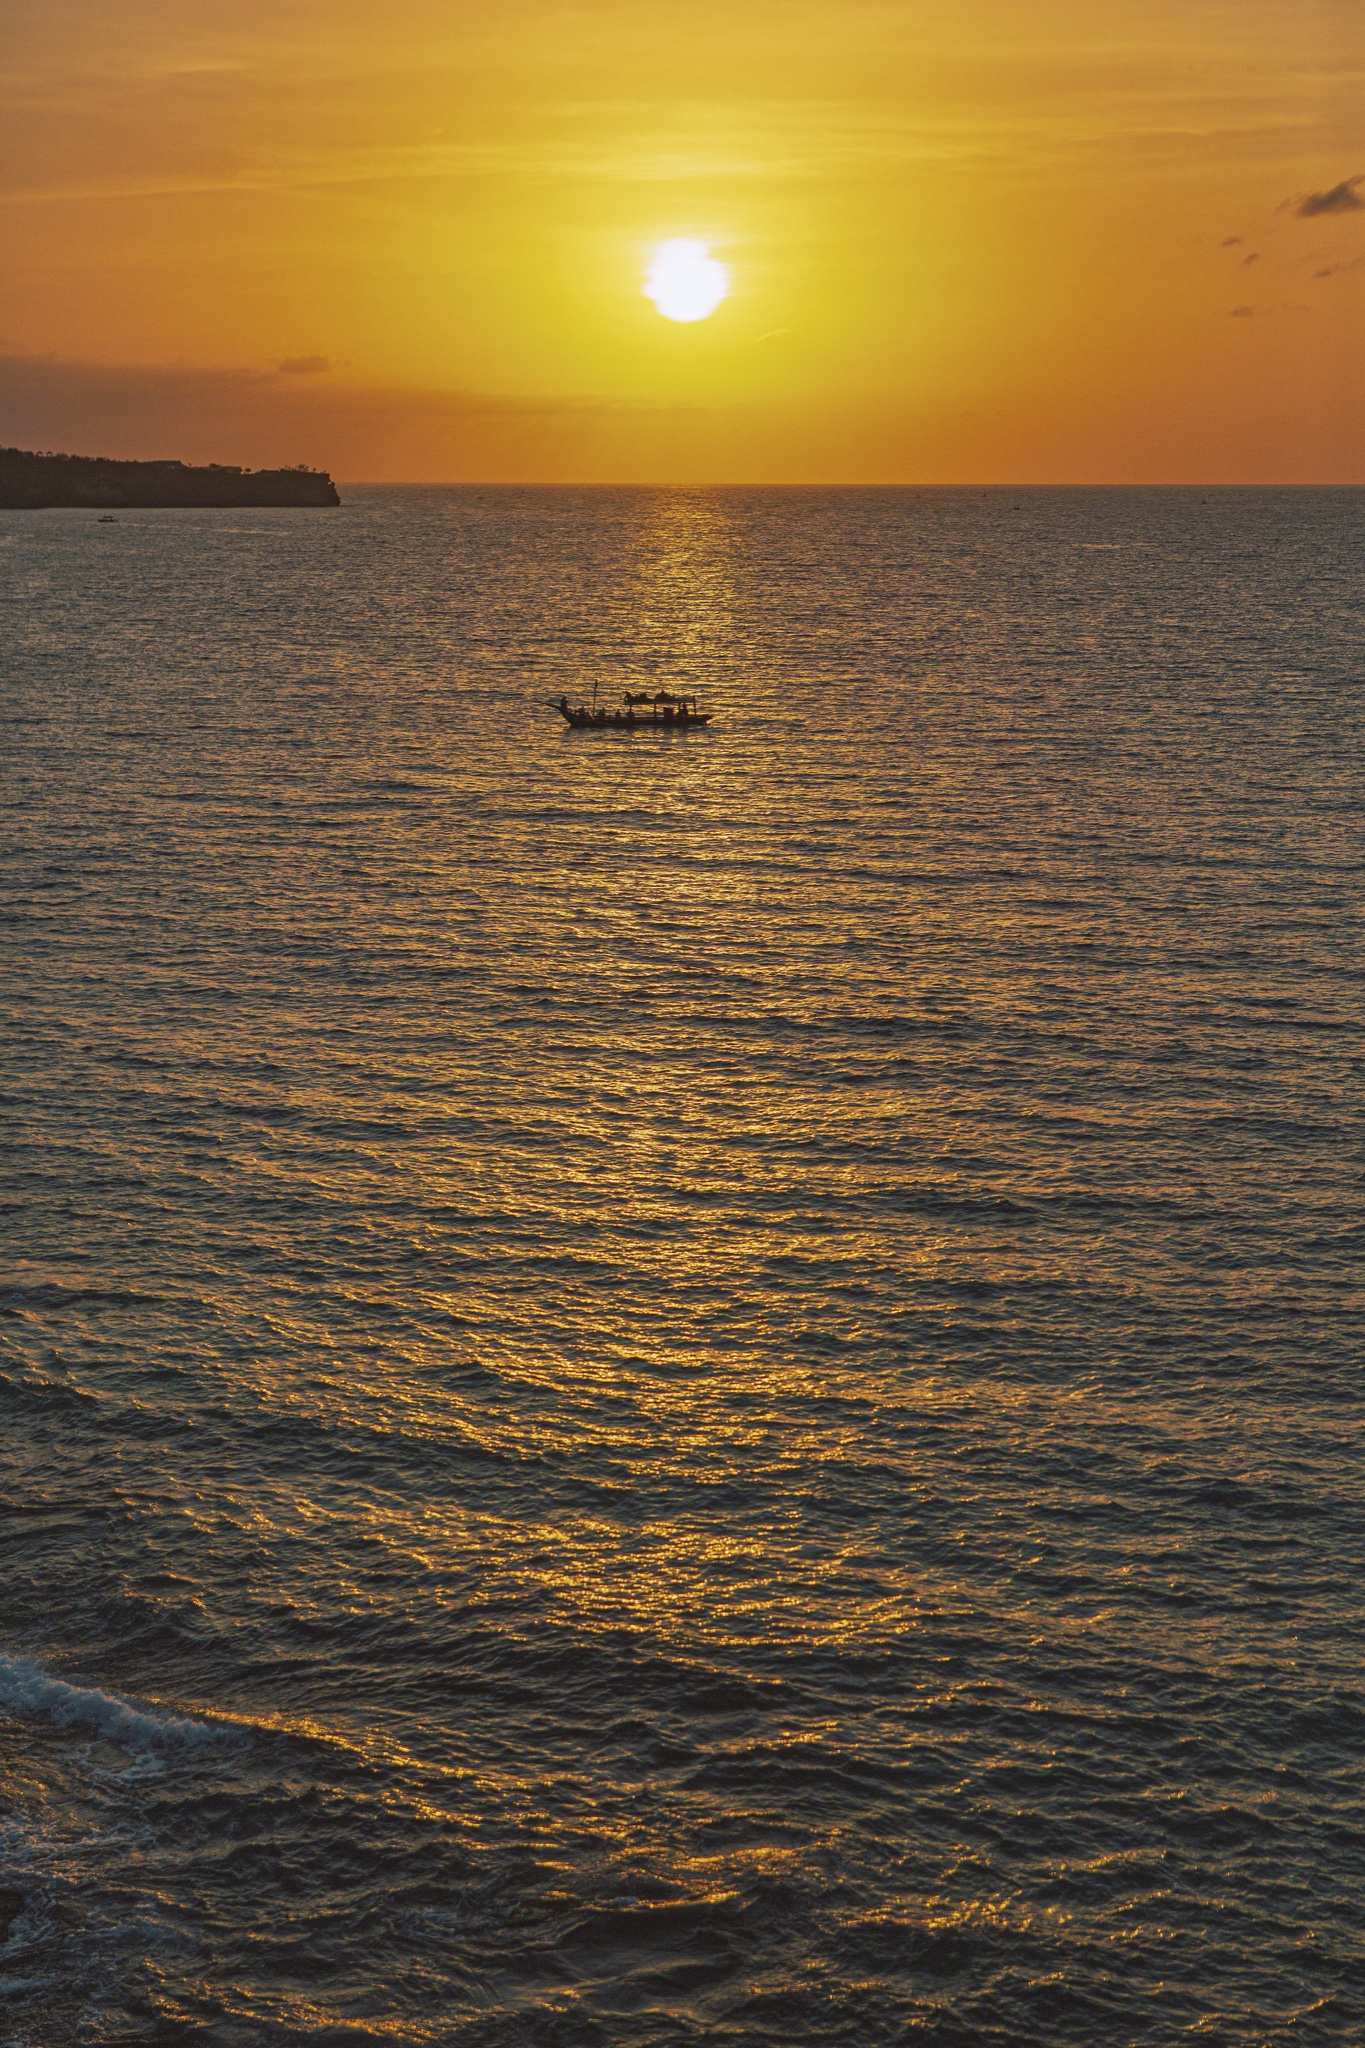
{"points": [[262, 418]]}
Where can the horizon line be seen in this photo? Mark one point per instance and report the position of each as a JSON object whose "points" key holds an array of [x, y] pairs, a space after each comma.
{"points": [[919, 484]]}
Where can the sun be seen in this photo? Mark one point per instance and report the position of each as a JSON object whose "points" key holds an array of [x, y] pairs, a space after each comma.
{"points": [[685, 281]]}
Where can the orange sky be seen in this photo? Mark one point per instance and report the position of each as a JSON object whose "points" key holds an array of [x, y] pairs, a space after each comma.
{"points": [[968, 240]]}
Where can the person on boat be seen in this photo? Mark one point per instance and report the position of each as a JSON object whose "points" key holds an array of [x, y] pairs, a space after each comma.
{"points": [[564, 703]]}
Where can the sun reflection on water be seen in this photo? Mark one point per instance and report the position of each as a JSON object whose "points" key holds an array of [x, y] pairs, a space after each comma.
{"points": [[732, 1351]]}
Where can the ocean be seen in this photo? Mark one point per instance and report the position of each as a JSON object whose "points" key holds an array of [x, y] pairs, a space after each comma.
{"points": [[699, 1388]]}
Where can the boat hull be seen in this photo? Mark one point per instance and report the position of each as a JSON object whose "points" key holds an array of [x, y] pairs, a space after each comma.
{"points": [[637, 725]]}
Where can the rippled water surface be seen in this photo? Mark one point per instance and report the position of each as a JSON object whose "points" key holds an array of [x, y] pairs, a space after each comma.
{"points": [[691, 1389]]}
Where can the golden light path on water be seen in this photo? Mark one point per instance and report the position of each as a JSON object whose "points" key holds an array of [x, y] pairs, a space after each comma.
{"points": [[689, 1387]]}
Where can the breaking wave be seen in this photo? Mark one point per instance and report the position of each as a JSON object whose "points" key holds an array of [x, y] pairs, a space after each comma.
{"points": [[25, 1688]]}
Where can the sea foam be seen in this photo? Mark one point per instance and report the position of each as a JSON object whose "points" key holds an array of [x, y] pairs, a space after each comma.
{"points": [[25, 1688]]}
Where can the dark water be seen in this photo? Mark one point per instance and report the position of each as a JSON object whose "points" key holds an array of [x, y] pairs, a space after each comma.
{"points": [[683, 1390]]}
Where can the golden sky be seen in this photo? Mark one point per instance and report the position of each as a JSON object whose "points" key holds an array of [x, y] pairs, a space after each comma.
{"points": [[967, 240]]}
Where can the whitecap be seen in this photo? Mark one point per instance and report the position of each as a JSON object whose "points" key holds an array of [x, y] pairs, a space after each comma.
{"points": [[25, 1688]]}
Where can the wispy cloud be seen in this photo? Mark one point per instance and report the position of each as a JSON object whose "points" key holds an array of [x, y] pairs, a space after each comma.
{"points": [[1342, 198], [304, 366]]}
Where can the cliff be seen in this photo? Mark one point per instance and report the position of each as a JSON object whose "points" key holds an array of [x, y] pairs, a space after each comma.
{"points": [[29, 482]]}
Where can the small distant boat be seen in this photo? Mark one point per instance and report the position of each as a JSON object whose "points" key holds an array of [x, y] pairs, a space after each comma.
{"points": [[665, 711], [106, 519]]}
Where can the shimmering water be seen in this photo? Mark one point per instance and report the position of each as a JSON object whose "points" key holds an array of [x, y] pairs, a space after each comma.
{"points": [[683, 1390]]}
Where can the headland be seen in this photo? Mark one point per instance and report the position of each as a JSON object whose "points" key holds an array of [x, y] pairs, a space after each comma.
{"points": [[30, 482]]}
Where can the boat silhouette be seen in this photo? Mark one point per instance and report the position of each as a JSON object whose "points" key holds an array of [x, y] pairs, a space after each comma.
{"points": [[664, 711]]}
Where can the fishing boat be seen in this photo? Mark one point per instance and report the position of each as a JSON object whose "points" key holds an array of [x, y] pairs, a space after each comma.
{"points": [[665, 711]]}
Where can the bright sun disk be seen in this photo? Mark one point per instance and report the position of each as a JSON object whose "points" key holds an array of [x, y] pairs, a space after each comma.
{"points": [[685, 281]]}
